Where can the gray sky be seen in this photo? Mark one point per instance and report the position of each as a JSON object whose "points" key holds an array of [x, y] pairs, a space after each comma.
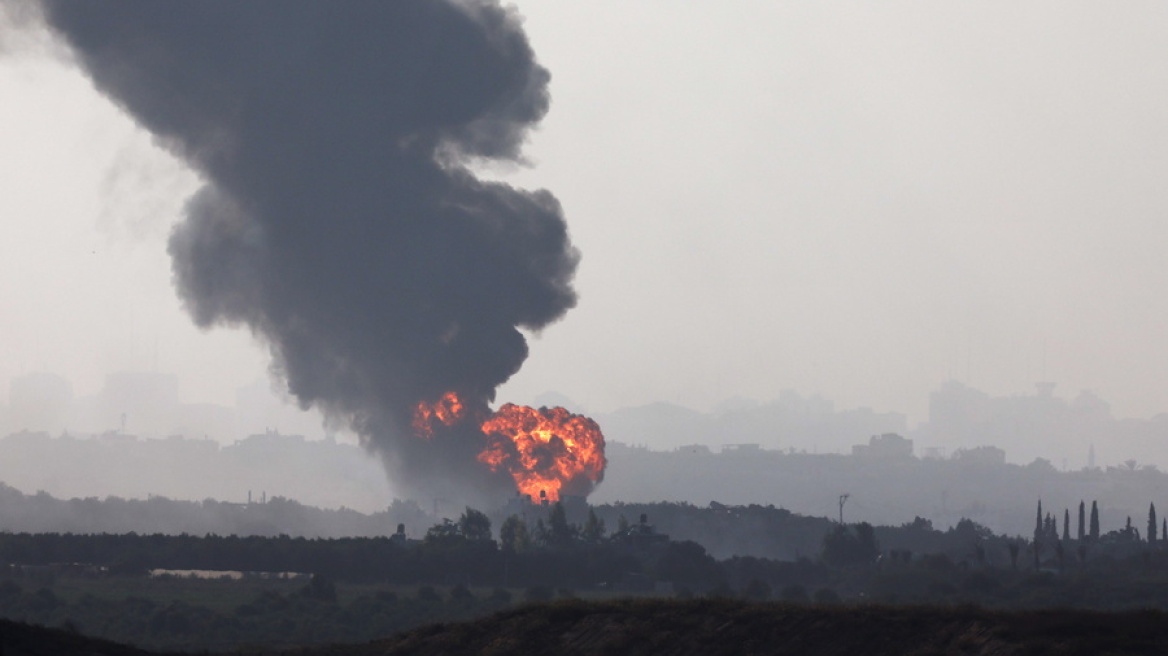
{"points": [[856, 199]]}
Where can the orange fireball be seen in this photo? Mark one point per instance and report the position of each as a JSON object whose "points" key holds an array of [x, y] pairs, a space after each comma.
{"points": [[446, 411], [544, 450]]}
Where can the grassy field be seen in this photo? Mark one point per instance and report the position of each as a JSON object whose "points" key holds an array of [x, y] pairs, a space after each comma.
{"points": [[224, 595], [711, 627], [218, 595]]}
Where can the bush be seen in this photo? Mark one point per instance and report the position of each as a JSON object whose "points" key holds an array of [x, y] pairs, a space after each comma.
{"points": [[827, 597], [461, 593], [757, 590], [428, 593], [320, 589], [538, 593], [794, 593], [720, 591]]}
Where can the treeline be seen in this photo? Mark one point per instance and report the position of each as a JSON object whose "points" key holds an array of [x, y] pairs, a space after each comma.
{"points": [[312, 613], [43, 513], [546, 549], [542, 555], [730, 530], [554, 553]]}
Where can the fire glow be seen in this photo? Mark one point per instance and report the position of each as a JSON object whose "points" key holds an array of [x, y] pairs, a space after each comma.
{"points": [[548, 450], [446, 411]]}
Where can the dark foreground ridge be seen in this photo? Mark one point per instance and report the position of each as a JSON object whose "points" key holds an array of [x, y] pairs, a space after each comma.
{"points": [[713, 627], [729, 627], [20, 639]]}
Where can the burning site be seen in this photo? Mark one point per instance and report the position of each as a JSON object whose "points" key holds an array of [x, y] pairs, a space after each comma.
{"points": [[546, 452], [340, 221]]}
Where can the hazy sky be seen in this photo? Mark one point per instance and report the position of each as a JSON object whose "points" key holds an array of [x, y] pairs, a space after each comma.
{"points": [[855, 199]]}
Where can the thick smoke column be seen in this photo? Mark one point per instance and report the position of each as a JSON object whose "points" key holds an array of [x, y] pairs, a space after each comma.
{"points": [[338, 220]]}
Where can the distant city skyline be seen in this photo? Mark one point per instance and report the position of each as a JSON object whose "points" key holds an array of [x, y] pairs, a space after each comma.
{"points": [[1066, 430]]}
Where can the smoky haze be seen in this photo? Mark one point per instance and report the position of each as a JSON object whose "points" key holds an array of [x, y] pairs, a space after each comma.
{"points": [[337, 219]]}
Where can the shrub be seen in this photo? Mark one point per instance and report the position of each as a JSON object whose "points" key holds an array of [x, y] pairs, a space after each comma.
{"points": [[538, 593], [827, 597], [500, 596], [461, 593], [428, 593], [794, 593], [757, 590]]}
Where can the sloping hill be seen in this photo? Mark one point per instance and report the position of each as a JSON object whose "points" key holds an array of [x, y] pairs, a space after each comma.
{"points": [[18, 639], [708, 627], [714, 628]]}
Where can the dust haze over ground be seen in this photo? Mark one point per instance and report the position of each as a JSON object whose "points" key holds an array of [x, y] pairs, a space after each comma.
{"points": [[337, 220]]}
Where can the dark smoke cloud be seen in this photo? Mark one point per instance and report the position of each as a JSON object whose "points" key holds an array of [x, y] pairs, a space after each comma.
{"points": [[338, 221]]}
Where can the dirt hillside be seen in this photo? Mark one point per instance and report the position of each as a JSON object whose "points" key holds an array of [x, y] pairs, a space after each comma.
{"points": [[713, 627]]}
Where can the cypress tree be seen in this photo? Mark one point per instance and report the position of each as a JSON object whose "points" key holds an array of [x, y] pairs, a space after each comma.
{"points": [[1094, 521], [1082, 522], [1038, 526], [1152, 523], [1066, 524]]}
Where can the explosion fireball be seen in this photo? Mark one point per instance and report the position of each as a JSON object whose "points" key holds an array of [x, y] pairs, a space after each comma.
{"points": [[547, 450], [446, 411]]}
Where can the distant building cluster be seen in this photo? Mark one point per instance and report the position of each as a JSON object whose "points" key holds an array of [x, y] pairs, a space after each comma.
{"points": [[888, 445], [146, 404], [1041, 425]]}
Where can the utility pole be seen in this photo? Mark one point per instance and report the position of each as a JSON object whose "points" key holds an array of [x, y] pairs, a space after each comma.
{"points": [[842, 500]]}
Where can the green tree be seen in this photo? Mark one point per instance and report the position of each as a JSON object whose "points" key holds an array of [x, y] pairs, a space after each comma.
{"points": [[1039, 525], [461, 593], [320, 589], [1082, 521], [444, 533], [757, 590], [538, 593], [474, 525], [560, 532], [1094, 521], [1152, 524], [429, 594], [1039, 533], [541, 536], [513, 534], [851, 545], [593, 529]]}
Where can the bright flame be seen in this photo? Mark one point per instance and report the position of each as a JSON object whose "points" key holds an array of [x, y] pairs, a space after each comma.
{"points": [[446, 411], [544, 450]]}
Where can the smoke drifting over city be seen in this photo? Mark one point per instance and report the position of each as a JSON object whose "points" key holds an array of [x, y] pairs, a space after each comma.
{"points": [[338, 220]]}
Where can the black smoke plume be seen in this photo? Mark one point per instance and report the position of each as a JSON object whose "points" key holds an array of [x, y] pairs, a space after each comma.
{"points": [[338, 219]]}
